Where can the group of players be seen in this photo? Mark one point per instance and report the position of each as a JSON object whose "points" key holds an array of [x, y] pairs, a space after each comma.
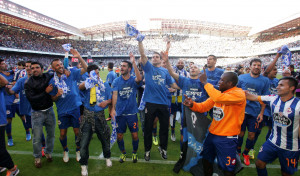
{"points": [[81, 98]]}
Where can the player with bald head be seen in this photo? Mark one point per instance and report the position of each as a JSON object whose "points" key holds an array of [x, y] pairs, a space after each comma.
{"points": [[228, 104]]}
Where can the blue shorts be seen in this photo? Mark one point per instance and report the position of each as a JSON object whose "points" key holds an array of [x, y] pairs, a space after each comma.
{"points": [[128, 120], [251, 123], [11, 110], [176, 107], [268, 121], [268, 152], [222, 147], [69, 119]]}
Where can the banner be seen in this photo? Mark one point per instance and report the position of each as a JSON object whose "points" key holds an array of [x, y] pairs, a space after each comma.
{"points": [[195, 129], [74, 59], [286, 55]]}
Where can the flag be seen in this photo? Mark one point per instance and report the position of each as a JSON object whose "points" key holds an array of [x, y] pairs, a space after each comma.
{"points": [[67, 47], [286, 55], [113, 136], [132, 31], [90, 61]]}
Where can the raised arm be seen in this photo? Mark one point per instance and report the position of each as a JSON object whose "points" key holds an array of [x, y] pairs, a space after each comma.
{"points": [[144, 58], [271, 65], [136, 70], [83, 63], [165, 58]]}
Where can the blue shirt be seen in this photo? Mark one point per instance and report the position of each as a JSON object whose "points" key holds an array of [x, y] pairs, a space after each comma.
{"points": [[193, 88], [72, 99], [156, 79], [25, 107], [111, 76], [273, 91], [105, 95], [256, 86], [126, 102], [9, 99], [82, 79], [286, 116], [3, 120], [214, 77]]}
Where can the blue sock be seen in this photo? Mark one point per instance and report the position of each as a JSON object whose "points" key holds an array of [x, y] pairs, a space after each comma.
{"points": [[268, 134], [249, 145], [262, 172], [240, 143], [154, 131], [256, 137], [180, 145], [121, 145], [173, 130], [77, 144], [64, 144], [8, 130], [135, 145], [25, 126], [43, 140]]}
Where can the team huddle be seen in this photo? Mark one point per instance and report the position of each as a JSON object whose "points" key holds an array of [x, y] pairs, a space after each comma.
{"points": [[233, 102]]}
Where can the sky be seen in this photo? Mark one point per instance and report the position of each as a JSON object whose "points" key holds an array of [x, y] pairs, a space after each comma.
{"points": [[79, 13]]}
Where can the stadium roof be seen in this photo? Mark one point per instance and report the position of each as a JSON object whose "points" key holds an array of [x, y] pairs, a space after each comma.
{"points": [[283, 25], [159, 25], [16, 15]]}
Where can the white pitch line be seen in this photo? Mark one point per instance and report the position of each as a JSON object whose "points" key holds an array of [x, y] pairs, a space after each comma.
{"points": [[140, 161]]}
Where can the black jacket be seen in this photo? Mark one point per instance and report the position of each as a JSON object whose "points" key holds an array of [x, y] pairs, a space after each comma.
{"points": [[35, 91]]}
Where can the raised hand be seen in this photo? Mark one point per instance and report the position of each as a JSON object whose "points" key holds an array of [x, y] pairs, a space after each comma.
{"points": [[75, 53], [203, 77], [132, 58], [164, 56]]}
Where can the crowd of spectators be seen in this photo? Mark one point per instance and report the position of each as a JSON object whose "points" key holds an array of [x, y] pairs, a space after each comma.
{"points": [[182, 45]]}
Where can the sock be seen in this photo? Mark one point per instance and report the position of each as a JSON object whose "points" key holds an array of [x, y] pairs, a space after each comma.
{"points": [[173, 130], [154, 132], [262, 172], [25, 126], [268, 134], [256, 137], [180, 145], [8, 130], [240, 143], [121, 145], [64, 144], [249, 145], [77, 144], [43, 140], [135, 145]]}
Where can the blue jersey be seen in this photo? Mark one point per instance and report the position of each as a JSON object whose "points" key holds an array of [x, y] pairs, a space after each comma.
{"points": [[72, 99], [3, 120], [286, 116], [111, 76], [126, 102], [193, 88], [214, 77], [273, 91], [256, 86], [105, 95], [156, 79], [25, 107], [9, 99]]}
